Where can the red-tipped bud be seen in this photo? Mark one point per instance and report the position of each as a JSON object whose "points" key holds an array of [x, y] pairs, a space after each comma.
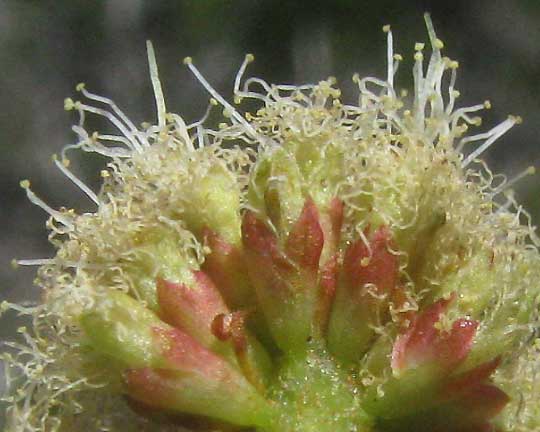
{"points": [[424, 342], [251, 357], [194, 380], [191, 308], [305, 241], [286, 281], [367, 284], [371, 266], [226, 266]]}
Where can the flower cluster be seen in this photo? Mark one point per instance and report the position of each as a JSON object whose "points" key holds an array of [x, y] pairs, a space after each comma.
{"points": [[312, 265]]}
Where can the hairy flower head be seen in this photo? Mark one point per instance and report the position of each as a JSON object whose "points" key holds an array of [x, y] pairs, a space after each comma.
{"points": [[310, 265]]}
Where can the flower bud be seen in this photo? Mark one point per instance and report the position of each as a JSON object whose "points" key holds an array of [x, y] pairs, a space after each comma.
{"points": [[167, 368], [213, 203]]}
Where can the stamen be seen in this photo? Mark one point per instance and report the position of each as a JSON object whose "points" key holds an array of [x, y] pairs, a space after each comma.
{"points": [[526, 172], [397, 60], [461, 113], [112, 138], [90, 144], [200, 136], [211, 104], [436, 65], [182, 129], [60, 217], [156, 84], [418, 77], [510, 200], [62, 166], [262, 83], [495, 133], [81, 87], [34, 262], [234, 114], [436, 43], [247, 60], [451, 92], [134, 145], [389, 55]]}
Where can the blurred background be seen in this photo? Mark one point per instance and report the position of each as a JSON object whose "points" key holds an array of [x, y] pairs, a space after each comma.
{"points": [[47, 47]]}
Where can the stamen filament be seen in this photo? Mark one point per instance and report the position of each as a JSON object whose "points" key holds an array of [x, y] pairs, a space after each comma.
{"points": [[60, 217], [156, 84], [64, 169], [526, 172], [496, 133]]}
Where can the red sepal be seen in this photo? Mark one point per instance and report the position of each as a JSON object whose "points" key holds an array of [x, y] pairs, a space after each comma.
{"points": [[305, 241], [191, 308], [328, 285], [226, 267], [423, 343], [472, 391], [182, 352], [266, 262], [375, 265]]}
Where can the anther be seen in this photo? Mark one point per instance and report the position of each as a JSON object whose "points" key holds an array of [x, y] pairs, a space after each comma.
{"points": [[68, 104]]}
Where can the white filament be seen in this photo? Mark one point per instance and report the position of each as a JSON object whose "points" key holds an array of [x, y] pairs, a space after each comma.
{"points": [[495, 133], [63, 168], [156, 84]]}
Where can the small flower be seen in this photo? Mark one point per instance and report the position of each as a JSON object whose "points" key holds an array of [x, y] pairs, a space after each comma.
{"points": [[310, 266]]}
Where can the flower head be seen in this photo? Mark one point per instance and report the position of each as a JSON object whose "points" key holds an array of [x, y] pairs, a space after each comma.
{"points": [[310, 266]]}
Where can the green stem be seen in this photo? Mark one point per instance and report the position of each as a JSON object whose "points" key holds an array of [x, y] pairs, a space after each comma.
{"points": [[313, 395]]}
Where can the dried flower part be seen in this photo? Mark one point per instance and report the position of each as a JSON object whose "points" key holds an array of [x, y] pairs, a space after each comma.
{"points": [[311, 266]]}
